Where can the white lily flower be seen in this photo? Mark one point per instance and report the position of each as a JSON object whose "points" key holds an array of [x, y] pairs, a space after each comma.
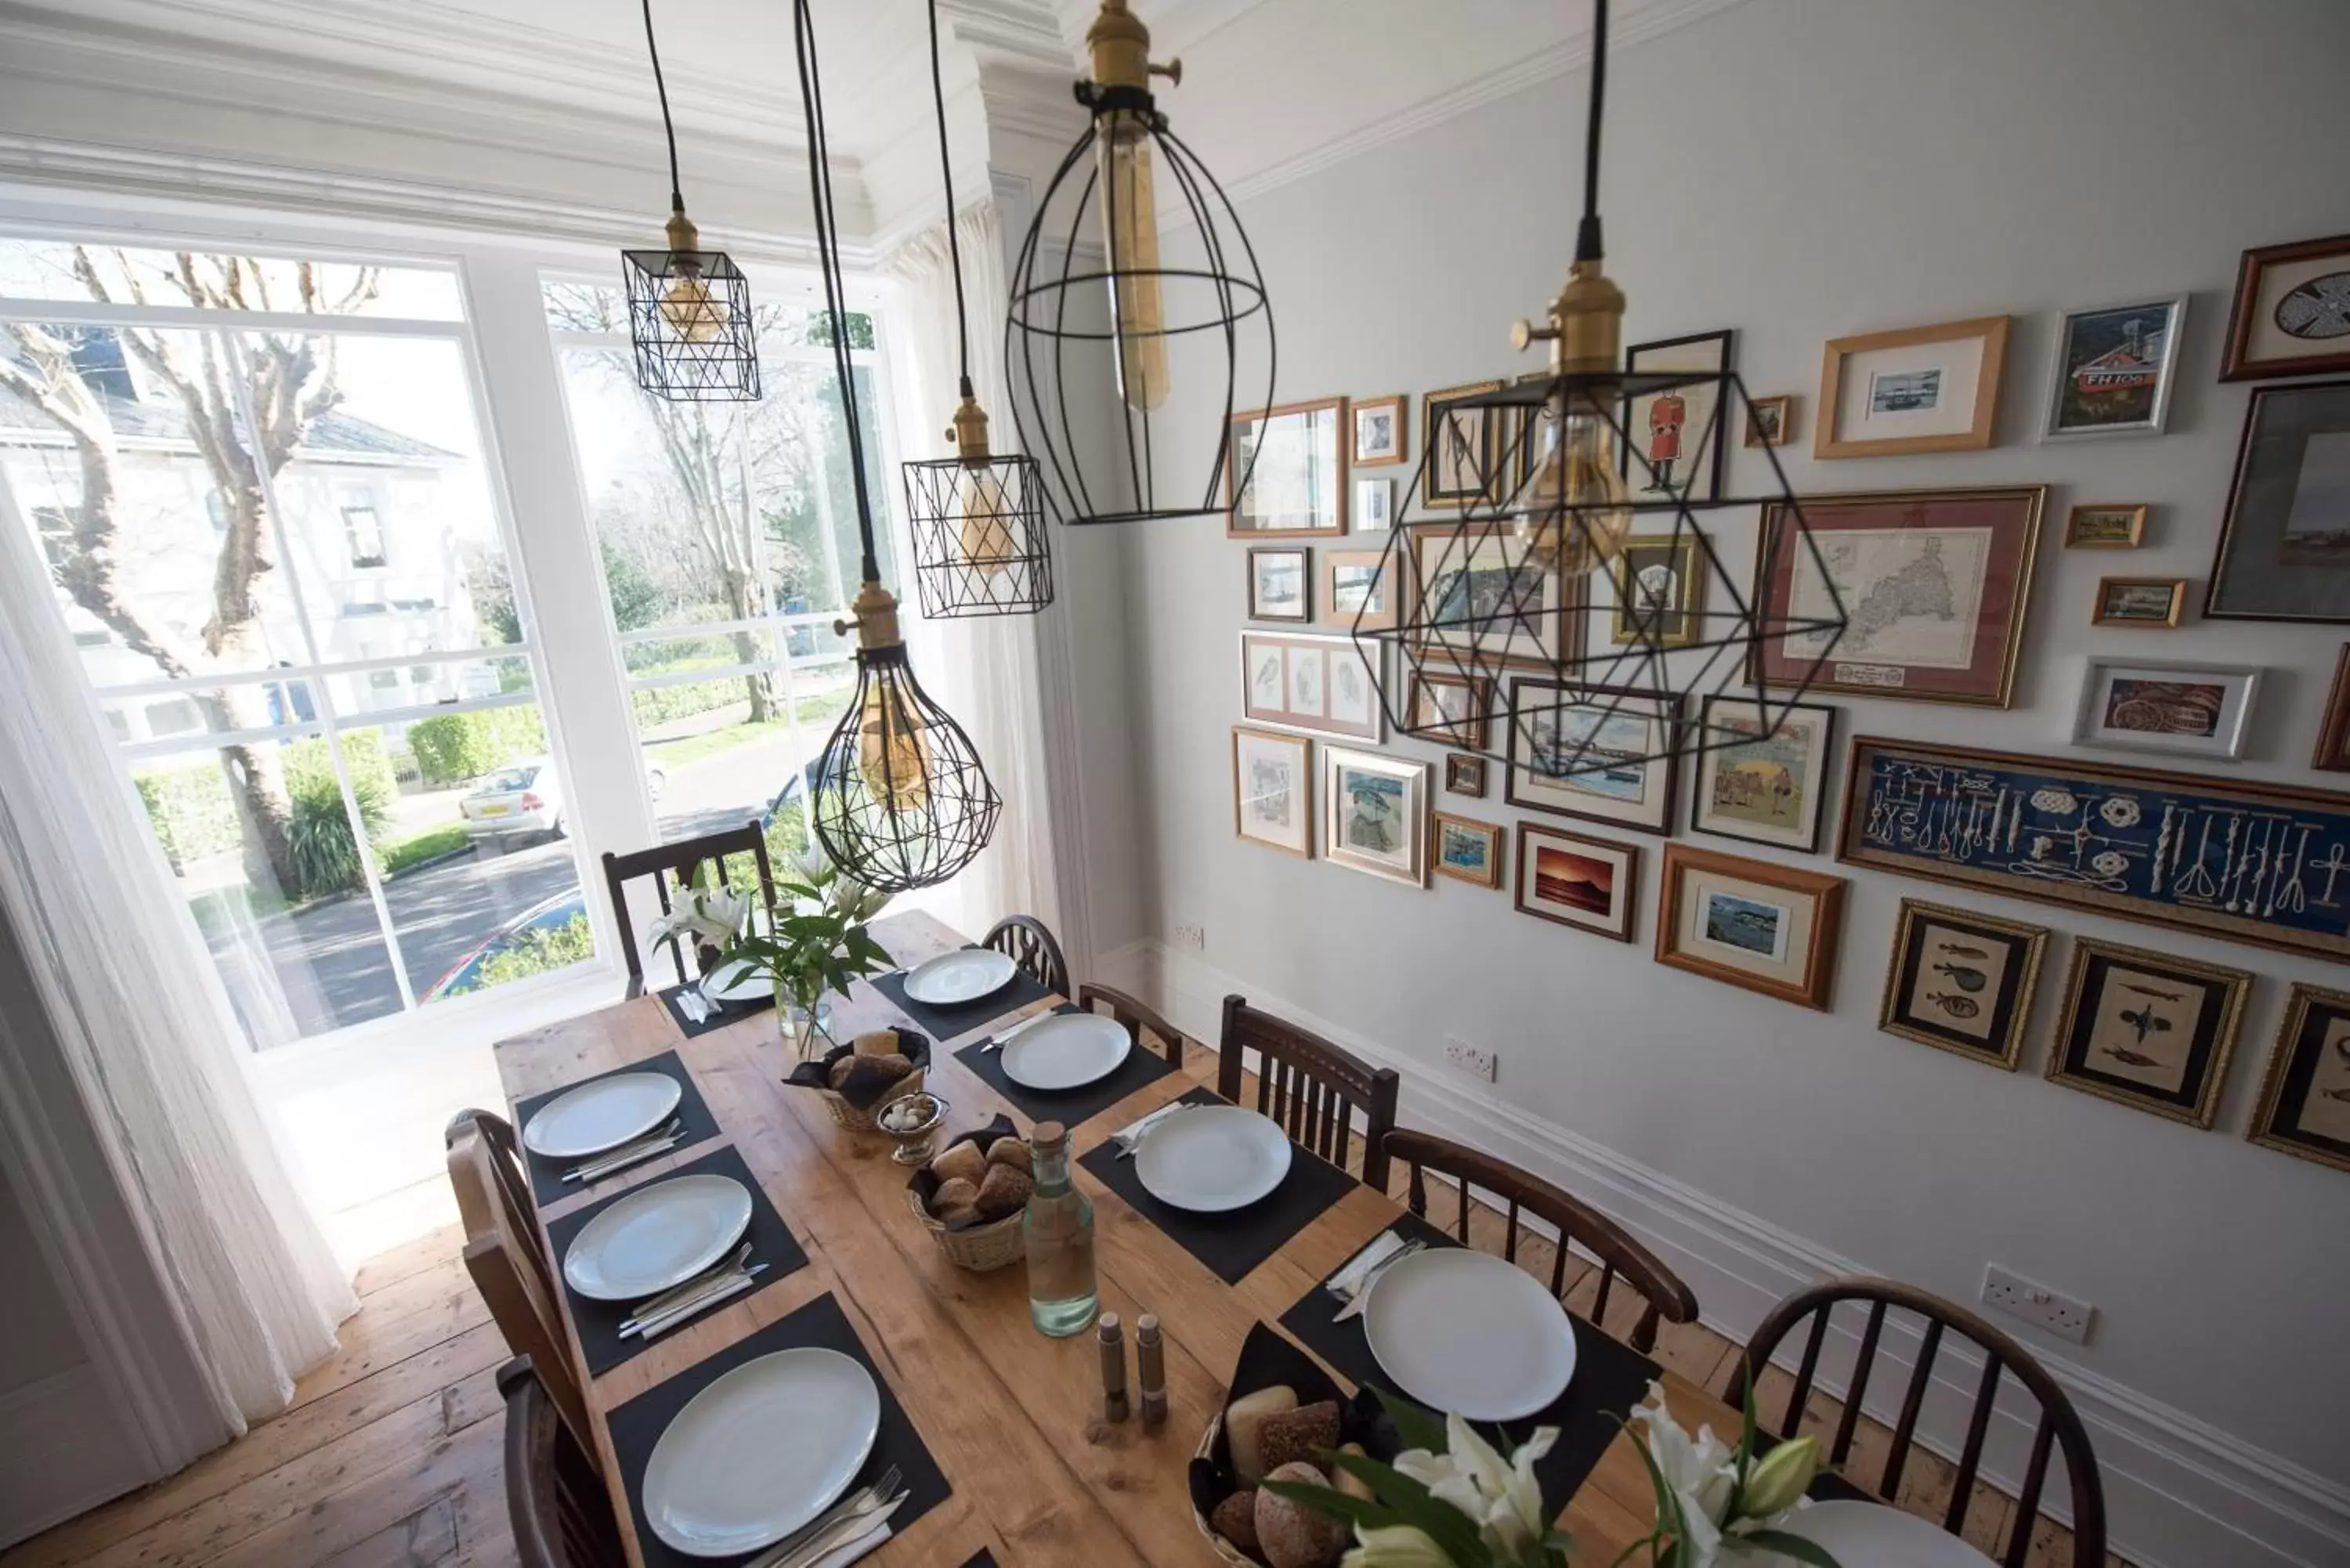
{"points": [[812, 862], [1501, 1496], [1394, 1546], [714, 914], [1700, 1473]]}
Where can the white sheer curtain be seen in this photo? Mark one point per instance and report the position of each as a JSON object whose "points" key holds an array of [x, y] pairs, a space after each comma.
{"points": [[144, 1023], [984, 668]]}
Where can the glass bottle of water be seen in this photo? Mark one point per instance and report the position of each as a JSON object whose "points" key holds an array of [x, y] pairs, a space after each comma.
{"points": [[1058, 1230]]}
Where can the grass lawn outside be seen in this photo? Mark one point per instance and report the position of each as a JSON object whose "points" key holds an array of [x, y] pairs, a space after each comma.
{"points": [[398, 858]]}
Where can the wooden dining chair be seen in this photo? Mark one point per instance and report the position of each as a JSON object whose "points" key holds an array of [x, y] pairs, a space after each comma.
{"points": [[507, 1258], [672, 867], [2059, 1426], [1029, 944], [1516, 1193], [560, 1508], [1139, 1021], [1310, 1086]]}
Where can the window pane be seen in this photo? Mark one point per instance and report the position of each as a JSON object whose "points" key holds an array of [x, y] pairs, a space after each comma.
{"points": [[48, 269], [154, 716], [815, 560], [649, 656], [429, 684]]}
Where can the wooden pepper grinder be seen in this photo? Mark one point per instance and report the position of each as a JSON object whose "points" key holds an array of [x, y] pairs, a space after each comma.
{"points": [[1151, 1364], [1113, 1368]]}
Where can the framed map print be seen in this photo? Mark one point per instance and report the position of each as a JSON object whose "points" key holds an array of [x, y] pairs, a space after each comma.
{"points": [[1934, 584], [2148, 1029], [1306, 681], [1961, 981], [1273, 789], [2305, 1098], [1597, 752], [2284, 540]]}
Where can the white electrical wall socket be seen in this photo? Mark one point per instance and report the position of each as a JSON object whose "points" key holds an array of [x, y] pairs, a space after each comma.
{"points": [[1472, 1060], [1192, 937], [2035, 1303]]}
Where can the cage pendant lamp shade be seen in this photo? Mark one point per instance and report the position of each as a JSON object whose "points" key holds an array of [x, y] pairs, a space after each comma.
{"points": [[689, 321], [980, 543], [900, 800]]}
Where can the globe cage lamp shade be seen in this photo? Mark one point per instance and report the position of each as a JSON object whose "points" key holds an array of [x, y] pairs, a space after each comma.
{"points": [[1198, 322]]}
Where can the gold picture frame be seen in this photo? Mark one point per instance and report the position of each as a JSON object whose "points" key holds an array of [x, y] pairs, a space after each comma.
{"points": [[1956, 1017], [1682, 610], [1903, 389], [1770, 421], [2302, 1071], [1437, 493], [2128, 1003], [2120, 602], [2105, 525], [1447, 831]]}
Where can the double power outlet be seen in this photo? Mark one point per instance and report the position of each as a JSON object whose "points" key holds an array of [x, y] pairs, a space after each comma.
{"points": [[2035, 1303]]}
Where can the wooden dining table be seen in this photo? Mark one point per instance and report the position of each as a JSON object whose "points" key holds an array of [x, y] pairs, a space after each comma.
{"points": [[1013, 1418]]}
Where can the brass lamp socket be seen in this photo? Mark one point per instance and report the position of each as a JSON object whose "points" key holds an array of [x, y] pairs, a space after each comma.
{"points": [[682, 234], [1120, 45], [968, 433], [875, 616], [1589, 315]]}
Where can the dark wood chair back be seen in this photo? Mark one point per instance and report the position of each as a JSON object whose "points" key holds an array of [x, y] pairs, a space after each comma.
{"points": [[1518, 1194], [1139, 1021], [2059, 1424], [1030, 944], [556, 1497], [1310, 1086], [507, 1258], [672, 867]]}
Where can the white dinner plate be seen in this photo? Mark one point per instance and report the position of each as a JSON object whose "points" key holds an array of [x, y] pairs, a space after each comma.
{"points": [[1459, 1330], [603, 1115], [761, 1451], [1067, 1051], [964, 975], [1871, 1535], [1210, 1158], [657, 1236], [738, 980]]}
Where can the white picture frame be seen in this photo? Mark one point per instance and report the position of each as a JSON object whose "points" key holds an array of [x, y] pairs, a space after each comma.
{"points": [[2064, 418], [2166, 706], [1387, 837]]}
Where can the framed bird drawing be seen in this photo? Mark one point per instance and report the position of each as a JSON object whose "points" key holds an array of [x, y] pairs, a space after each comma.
{"points": [[2147, 1029]]}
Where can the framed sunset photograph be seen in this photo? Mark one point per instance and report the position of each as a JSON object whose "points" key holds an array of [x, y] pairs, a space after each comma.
{"points": [[1591, 884]]}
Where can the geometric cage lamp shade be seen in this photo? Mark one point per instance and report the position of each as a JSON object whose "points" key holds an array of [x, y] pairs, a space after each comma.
{"points": [[690, 319]]}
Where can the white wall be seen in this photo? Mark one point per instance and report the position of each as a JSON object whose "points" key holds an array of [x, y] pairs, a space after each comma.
{"points": [[1799, 169]]}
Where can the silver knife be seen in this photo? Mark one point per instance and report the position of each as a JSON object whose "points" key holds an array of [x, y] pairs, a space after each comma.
{"points": [[847, 1532], [723, 1289], [1131, 1138], [997, 1043], [678, 1295], [1362, 1297], [628, 1154]]}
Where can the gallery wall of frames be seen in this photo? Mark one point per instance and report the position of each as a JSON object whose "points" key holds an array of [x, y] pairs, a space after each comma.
{"points": [[2026, 931]]}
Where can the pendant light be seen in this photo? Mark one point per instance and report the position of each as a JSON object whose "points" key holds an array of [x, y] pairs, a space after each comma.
{"points": [[1505, 600], [978, 520], [689, 309], [899, 800], [1198, 320]]}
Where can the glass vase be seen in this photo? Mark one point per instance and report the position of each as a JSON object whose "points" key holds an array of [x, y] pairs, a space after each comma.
{"points": [[807, 1031]]}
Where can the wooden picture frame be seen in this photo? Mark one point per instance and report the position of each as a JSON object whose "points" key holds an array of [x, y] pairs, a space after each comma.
{"points": [[1673, 420], [1262, 813], [1450, 838], [1428, 719], [2304, 1104], [1895, 380], [2112, 370], [2269, 279], [2132, 602], [1374, 814], [1307, 477], [1389, 442], [1458, 569], [1575, 879], [2105, 525], [2177, 709], [1751, 923], [1373, 506], [2332, 753], [2134, 1020], [2283, 553], [1372, 600], [1262, 557], [1552, 746], [1464, 775], [1989, 970], [1447, 443], [1772, 791], [1310, 681], [1770, 421], [1645, 563]]}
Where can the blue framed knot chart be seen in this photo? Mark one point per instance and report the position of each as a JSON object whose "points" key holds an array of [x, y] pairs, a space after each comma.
{"points": [[2251, 862]]}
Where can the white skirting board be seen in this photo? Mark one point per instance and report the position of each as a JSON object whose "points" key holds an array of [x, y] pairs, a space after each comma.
{"points": [[2178, 1493]]}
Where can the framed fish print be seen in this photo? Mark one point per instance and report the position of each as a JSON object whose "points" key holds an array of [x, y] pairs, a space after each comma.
{"points": [[2304, 1105], [1961, 981], [1591, 884], [1603, 752], [1295, 461], [1933, 584], [1480, 593], [2114, 368], [1749, 923], [1677, 430], [1308, 680], [1468, 851], [2185, 710], [2333, 755], [1464, 775], [2148, 1029], [1922, 389], [1660, 588], [1463, 447], [1273, 789], [2292, 315], [1374, 814], [1356, 596], [2154, 603], [1280, 584], [2285, 539], [1769, 790], [2095, 527], [1381, 427]]}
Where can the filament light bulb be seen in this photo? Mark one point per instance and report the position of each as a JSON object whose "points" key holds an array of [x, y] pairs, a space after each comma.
{"points": [[984, 538], [692, 312], [1576, 513], [892, 753], [1130, 228]]}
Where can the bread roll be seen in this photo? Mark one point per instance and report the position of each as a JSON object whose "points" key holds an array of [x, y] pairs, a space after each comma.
{"points": [[1236, 1520], [1004, 1191], [1244, 1418], [839, 1073], [1346, 1480], [961, 1161], [896, 1064], [1014, 1152], [1291, 1535], [875, 1043], [1300, 1434], [954, 1193], [957, 1214]]}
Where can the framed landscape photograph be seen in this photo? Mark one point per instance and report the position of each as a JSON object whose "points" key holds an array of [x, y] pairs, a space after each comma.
{"points": [[1467, 849], [1296, 460], [2332, 753], [1308, 680], [1273, 789], [2148, 1029], [2182, 710], [1451, 709], [1464, 775], [1772, 789], [1659, 586], [1480, 592], [1353, 594], [1961, 981], [1679, 429], [1373, 506], [1749, 923], [2304, 1105], [1603, 752], [1374, 814], [1934, 583], [1770, 421], [2105, 526], [2292, 315], [2285, 539], [2114, 368], [1281, 584], [1463, 447], [1923, 389], [2155, 603], [1588, 883], [1381, 429]]}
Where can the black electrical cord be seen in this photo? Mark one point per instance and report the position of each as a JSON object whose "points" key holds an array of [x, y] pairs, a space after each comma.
{"points": [[1586, 239], [676, 191], [946, 178]]}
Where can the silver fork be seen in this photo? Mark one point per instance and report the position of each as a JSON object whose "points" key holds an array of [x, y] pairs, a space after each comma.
{"points": [[676, 1296], [856, 1508], [1362, 1296], [661, 1141]]}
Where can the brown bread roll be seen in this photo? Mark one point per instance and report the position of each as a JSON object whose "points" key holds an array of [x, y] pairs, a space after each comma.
{"points": [[1244, 1419], [1290, 1535], [1346, 1481], [961, 1161], [1300, 1434], [1236, 1520], [1014, 1152], [893, 1064], [875, 1043], [1004, 1191], [957, 1214], [839, 1072], [954, 1193]]}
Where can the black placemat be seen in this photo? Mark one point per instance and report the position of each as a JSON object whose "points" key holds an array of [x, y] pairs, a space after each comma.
{"points": [[1070, 1106], [547, 1183], [1230, 1244], [1610, 1379], [772, 1244], [944, 1024], [982, 1558], [721, 1013], [637, 1425]]}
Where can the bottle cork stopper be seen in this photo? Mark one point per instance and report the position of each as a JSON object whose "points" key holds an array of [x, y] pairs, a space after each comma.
{"points": [[1046, 1138]]}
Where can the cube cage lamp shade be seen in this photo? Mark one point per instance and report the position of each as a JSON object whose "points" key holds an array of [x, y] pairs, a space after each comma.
{"points": [[1502, 600], [979, 546], [900, 800], [689, 321]]}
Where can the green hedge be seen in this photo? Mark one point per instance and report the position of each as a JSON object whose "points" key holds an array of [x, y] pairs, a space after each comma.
{"points": [[194, 813], [189, 807], [534, 951], [454, 748]]}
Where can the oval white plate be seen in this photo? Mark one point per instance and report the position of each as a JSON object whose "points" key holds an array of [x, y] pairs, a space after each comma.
{"points": [[964, 975], [1067, 1051], [1875, 1536], [1466, 1331], [603, 1115], [737, 980], [1210, 1158], [659, 1236], [761, 1451]]}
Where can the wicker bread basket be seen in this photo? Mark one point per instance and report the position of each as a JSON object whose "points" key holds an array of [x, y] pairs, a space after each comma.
{"points": [[1217, 1543], [912, 1044], [861, 1121], [995, 1244]]}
